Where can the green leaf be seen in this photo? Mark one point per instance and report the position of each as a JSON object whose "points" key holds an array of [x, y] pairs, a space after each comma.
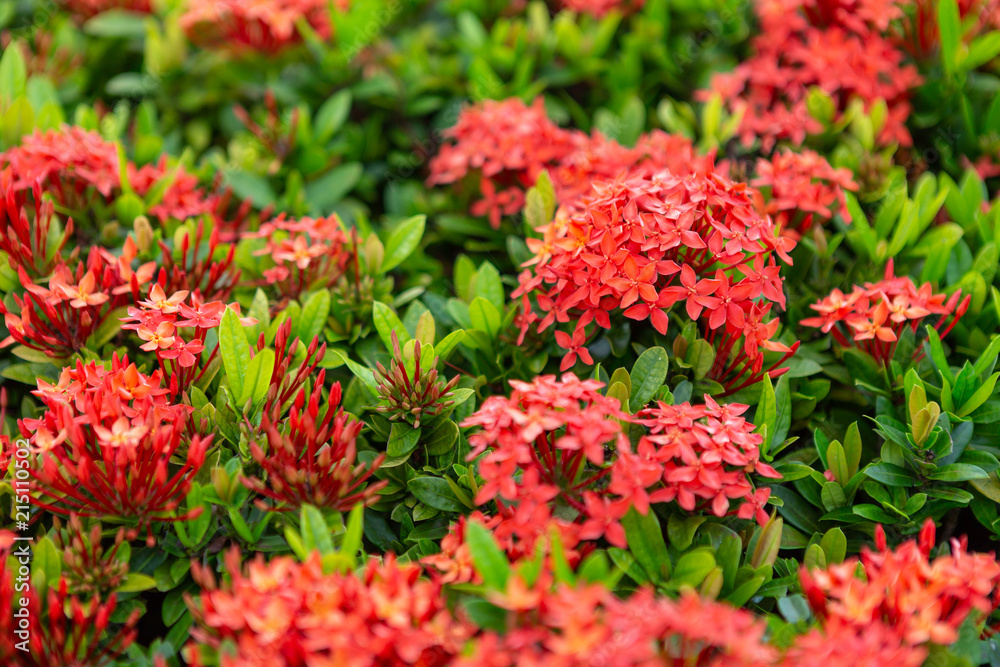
{"points": [[693, 567], [485, 317], [13, 74], [258, 378], [325, 191], [403, 240], [117, 23], [645, 541], [235, 350], [648, 375], [331, 115], [386, 322], [890, 475], [316, 535], [950, 27], [979, 397], [437, 493], [958, 472], [490, 561], [135, 582], [834, 545], [403, 439], [489, 286], [982, 50]]}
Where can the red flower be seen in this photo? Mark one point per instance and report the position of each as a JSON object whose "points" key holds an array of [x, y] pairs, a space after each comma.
{"points": [[285, 613], [308, 253], [874, 316], [835, 46], [640, 244], [922, 601], [118, 437], [801, 187], [267, 26]]}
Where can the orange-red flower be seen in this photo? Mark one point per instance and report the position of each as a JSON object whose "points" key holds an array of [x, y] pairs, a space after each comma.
{"points": [[873, 317], [639, 244], [282, 613]]}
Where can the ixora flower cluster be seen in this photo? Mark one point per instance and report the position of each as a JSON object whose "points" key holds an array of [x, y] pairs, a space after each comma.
{"points": [[288, 613], [640, 245], [78, 168], [558, 448], [262, 27], [106, 443], [874, 317], [836, 46], [508, 144]]}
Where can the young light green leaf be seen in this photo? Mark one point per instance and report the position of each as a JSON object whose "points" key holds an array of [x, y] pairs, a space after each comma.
{"points": [[258, 378], [490, 562], [235, 350], [386, 322], [403, 240]]}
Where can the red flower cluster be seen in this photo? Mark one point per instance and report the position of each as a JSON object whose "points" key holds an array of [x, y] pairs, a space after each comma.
{"points": [[59, 319], [75, 165], [310, 458], [158, 321], [599, 8], [508, 144], [640, 245], [281, 613], [801, 188], [920, 601], [105, 445], [835, 45], [557, 435], [265, 26], [589, 625], [308, 253], [65, 630], [874, 316], [703, 454], [552, 443]]}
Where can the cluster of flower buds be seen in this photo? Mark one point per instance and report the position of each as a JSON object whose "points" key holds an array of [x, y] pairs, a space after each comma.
{"points": [[411, 395], [310, 458], [197, 269], [89, 568], [873, 317], [107, 443], [27, 223], [641, 244], [65, 630], [286, 384]]}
